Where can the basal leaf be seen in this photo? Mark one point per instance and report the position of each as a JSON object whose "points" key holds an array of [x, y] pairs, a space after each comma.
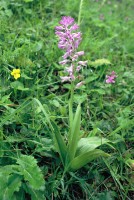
{"points": [[85, 158], [74, 134], [89, 144], [9, 184]]}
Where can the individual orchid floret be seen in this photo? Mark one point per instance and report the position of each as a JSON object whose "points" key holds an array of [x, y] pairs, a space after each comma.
{"points": [[80, 53], [77, 54], [79, 84], [59, 28], [83, 63], [78, 68], [63, 62], [65, 78], [111, 78], [74, 27], [69, 69]]}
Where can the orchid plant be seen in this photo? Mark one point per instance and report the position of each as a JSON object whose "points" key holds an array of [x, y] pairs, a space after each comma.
{"points": [[77, 151], [69, 40]]}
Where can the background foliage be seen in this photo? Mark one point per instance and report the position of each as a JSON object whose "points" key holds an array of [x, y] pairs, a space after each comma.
{"points": [[30, 167]]}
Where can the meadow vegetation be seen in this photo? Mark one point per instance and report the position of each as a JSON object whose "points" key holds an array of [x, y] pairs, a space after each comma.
{"points": [[58, 141]]}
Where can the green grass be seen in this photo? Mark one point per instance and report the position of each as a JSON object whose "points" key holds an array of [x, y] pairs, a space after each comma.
{"points": [[28, 42]]}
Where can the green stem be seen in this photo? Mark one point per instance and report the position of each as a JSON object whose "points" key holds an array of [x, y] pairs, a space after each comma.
{"points": [[80, 9], [71, 110]]}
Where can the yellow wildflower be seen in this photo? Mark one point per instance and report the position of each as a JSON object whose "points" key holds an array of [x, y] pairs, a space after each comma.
{"points": [[16, 73]]}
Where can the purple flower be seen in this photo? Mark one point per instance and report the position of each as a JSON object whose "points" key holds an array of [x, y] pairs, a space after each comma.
{"points": [[111, 78], [80, 84], [74, 27], [83, 63], [63, 62], [67, 54], [70, 69], [75, 57], [59, 28], [66, 21], [65, 78], [69, 37], [78, 68], [69, 40], [80, 53]]}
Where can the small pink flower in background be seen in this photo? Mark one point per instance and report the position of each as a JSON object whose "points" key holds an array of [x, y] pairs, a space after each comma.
{"points": [[111, 78]]}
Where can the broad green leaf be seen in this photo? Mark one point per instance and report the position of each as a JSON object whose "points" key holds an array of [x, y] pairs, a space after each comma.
{"points": [[89, 144], [35, 194], [18, 86], [9, 184], [85, 158], [30, 170], [72, 146], [19, 195]]}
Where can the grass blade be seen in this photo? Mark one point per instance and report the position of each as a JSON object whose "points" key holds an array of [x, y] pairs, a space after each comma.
{"points": [[44, 112]]}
